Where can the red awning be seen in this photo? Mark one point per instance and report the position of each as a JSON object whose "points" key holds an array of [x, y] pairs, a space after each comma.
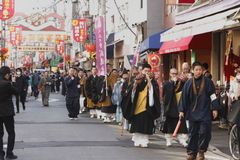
{"points": [[175, 46]]}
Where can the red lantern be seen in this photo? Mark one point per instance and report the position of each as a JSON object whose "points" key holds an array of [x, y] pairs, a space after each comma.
{"points": [[4, 51], [67, 58]]}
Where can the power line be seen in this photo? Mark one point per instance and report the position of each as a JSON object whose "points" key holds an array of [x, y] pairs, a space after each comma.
{"points": [[124, 19]]}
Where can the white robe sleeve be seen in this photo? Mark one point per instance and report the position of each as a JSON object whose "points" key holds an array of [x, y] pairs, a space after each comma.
{"points": [[133, 95], [151, 99]]}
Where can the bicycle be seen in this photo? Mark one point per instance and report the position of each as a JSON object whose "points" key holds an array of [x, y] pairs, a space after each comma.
{"points": [[234, 134]]}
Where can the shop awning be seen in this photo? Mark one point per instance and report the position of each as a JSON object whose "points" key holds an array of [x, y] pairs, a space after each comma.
{"points": [[152, 42], [212, 23], [175, 45]]}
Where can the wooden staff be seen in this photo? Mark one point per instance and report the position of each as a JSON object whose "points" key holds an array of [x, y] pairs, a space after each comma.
{"points": [[177, 129]]}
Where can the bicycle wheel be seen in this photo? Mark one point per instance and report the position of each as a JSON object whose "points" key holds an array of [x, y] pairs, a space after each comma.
{"points": [[233, 142]]}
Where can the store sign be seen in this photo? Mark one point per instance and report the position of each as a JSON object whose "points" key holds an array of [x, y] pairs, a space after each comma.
{"points": [[79, 30], [154, 61], [35, 48], [7, 9], [15, 35], [100, 45]]}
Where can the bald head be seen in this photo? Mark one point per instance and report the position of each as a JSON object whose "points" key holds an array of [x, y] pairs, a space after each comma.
{"points": [[185, 67], [173, 74]]}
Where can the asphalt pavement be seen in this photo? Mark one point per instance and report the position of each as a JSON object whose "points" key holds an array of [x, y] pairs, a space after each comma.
{"points": [[46, 133]]}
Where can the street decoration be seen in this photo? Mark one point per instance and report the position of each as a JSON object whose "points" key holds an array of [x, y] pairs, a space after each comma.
{"points": [[90, 47], [154, 61], [79, 30], [7, 9], [100, 45]]}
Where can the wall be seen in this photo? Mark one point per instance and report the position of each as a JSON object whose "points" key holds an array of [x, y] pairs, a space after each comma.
{"points": [[155, 16]]}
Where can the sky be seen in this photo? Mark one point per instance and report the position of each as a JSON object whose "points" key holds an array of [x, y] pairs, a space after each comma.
{"points": [[33, 6]]}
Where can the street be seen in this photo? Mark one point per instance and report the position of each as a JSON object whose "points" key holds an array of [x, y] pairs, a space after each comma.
{"points": [[47, 133]]}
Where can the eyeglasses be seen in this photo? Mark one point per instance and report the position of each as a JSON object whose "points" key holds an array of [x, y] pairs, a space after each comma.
{"points": [[174, 73]]}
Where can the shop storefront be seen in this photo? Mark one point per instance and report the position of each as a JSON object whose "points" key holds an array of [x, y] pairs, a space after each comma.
{"points": [[201, 34]]}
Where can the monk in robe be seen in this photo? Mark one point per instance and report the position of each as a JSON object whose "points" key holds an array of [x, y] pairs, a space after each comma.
{"points": [[172, 90], [199, 104], [108, 109], [141, 106], [93, 92]]}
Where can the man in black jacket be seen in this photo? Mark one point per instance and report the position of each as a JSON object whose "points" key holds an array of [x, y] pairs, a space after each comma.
{"points": [[72, 94], [7, 112], [21, 85]]}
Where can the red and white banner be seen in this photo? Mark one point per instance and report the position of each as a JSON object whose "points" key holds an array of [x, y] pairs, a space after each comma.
{"points": [[79, 30], [100, 45], [7, 9], [60, 47], [16, 35]]}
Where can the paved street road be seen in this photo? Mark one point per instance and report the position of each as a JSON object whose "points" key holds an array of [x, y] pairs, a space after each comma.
{"points": [[47, 134]]}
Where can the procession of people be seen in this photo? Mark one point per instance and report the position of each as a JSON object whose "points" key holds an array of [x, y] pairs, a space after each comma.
{"points": [[131, 99]]}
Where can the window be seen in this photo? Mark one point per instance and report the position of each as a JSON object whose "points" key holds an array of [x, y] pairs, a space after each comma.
{"points": [[112, 18], [141, 3]]}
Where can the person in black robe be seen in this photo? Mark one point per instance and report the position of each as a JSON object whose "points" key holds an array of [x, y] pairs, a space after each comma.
{"points": [[21, 84], [199, 104], [141, 106], [93, 89], [171, 94]]}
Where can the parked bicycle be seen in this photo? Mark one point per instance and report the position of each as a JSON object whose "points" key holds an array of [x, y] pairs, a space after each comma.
{"points": [[234, 134]]}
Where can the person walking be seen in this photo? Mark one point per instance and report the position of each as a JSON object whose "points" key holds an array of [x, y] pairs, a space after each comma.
{"points": [[58, 81], [35, 82], [72, 94], [199, 104], [171, 95], [45, 88], [7, 113], [93, 92], [141, 106], [21, 84], [82, 82]]}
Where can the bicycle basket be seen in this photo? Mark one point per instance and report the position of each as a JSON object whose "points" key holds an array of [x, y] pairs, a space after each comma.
{"points": [[234, 112]]}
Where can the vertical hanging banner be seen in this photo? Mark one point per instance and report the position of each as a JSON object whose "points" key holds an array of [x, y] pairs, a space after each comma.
{"points": [[7, 9], [79, 30], [18, 35], [60, 47], [100, 45], [76, 30], [15, 35], [83, 30], [12, 30]]}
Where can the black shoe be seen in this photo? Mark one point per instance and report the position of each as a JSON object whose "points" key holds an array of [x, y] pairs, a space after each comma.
{"points": [[12, 156], [17, 112]]}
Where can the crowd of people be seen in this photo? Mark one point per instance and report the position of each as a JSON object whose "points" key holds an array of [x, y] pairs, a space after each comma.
{"points": [[131, 98]]}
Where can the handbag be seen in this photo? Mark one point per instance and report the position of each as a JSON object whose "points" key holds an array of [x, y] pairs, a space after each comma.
{"points": [[234, 112]]}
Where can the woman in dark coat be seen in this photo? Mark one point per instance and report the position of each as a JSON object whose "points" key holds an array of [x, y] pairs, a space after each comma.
{"points": [[171, 95]]}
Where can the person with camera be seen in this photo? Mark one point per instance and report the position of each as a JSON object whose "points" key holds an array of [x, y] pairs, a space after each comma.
{"points": [[141, 106], [7, 112], [72, 94], [172, 90], [45, 88]]}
